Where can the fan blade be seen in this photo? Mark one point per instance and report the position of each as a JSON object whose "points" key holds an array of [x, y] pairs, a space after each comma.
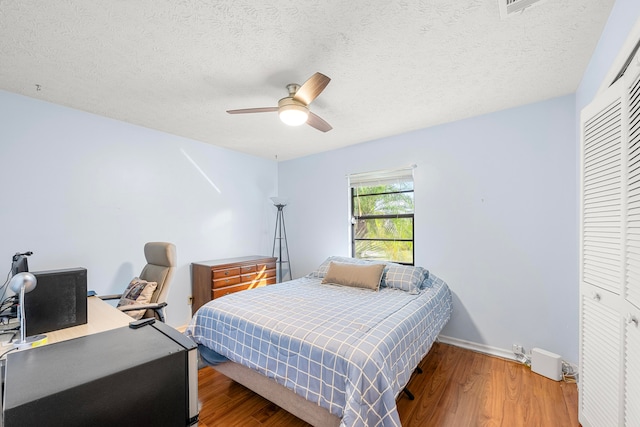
{"points": [[311, 88], [253, 110], [315, 121]]}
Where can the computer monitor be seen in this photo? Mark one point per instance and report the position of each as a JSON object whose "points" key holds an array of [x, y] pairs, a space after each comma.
{"points": [[19, 263]]}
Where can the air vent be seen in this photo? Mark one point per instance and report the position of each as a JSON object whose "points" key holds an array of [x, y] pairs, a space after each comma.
{"points": [[510, 7]]}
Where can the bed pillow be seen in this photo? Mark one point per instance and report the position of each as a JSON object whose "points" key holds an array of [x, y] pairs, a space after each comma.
{"points": [[405, 277], [324, 267], [354, 275], [138, 292], [428, 281]]}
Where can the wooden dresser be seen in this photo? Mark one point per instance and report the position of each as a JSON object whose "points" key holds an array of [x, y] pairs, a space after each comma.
{"points": [[216, 278]]}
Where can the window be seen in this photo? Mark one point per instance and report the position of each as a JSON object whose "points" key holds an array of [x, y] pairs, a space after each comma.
{"points": [[382, 215]]}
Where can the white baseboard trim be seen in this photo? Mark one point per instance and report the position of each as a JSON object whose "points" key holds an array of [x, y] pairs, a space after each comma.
{"points": [[481, 348]]}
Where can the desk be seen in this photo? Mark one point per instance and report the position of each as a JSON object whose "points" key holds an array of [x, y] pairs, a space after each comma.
{"points": [[97, 380], [101, 316]]}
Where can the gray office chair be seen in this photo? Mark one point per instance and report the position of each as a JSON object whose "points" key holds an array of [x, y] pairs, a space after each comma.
{"points": [[161, 265]]}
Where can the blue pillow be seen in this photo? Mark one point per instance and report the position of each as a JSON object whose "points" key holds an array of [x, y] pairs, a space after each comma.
{"points": [[405, 277]]}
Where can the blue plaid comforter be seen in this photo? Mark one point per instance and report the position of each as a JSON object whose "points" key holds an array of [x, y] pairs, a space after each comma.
{"points": [[349, 350]]}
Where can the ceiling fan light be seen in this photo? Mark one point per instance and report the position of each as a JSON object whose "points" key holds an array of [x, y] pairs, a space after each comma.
{"points": [[293, 115]]}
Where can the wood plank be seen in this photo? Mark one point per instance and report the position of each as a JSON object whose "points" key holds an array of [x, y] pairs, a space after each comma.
{"points": [[458, 387], [570, 394]]}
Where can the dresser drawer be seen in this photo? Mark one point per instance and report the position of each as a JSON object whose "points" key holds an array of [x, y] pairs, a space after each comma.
{"points": [[226, 272], [249, 277], [258, 283], [227, 281], [217, 293], [270, 273], [266, 266], [248, 269]]}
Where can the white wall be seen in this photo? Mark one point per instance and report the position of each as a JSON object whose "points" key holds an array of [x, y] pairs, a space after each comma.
{"points": [[495, 218], [83, 190]]}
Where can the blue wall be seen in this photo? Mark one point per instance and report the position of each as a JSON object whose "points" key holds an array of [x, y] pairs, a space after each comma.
{"points": [[79, 189], [495, 218]]}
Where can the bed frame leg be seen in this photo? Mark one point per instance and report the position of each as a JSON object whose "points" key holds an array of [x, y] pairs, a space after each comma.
{"points": [[408, 393], [406, 390]]}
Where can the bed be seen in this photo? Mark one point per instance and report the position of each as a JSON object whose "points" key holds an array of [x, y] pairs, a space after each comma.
{"points": [[329, 353]]}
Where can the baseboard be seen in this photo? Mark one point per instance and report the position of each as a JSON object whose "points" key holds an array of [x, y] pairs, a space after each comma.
{"points": [[480, 348]]}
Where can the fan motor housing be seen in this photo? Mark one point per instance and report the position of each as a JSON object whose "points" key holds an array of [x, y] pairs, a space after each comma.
{"points": [[289, 102]]}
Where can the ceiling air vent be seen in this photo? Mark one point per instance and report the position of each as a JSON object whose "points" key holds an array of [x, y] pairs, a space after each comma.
{"points": [[510, 7]]}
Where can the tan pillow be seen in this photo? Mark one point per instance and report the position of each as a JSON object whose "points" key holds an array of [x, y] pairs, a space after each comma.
{"points": [[138, 292], [354, 275]]}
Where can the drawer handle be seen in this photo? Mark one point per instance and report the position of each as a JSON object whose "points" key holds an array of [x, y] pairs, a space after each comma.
{"points": [[632, 319], [595, 296], [226, 273]]}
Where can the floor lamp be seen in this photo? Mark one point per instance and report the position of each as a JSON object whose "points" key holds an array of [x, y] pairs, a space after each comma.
{"points": [[280, 236]]}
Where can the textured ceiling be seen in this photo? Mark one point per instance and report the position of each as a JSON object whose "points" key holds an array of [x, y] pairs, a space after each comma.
{"points": [[396, 66]]}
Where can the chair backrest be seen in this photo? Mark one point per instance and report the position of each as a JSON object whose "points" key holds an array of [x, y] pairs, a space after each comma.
{"points": [[161, 265]]}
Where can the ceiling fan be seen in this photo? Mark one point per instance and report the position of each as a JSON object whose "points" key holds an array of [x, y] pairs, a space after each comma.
{"points": [[294, 109]]}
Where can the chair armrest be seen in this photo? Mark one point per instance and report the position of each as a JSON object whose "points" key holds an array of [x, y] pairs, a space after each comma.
{"points": [[109, 297], [151, 306]]}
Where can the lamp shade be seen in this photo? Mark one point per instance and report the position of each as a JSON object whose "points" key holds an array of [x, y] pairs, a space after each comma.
{"points": [[279, 201], [22, 283], [20, 280], [292, 112], [294, 115]]}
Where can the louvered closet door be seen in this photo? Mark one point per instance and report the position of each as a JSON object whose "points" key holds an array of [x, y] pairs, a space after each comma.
{"points": [[600, 358], [632, 370], [632, 282], [602, 194], [602, 260], [610, 255], [631, 309]]}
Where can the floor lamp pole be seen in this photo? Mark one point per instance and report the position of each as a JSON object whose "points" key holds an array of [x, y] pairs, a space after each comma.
{"points": [[280, 236]]}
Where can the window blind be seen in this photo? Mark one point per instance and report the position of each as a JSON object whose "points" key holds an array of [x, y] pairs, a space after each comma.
{"points": [[381, 177]]}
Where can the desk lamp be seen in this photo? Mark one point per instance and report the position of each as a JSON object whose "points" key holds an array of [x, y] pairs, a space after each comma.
{"points": [[23, 283]]}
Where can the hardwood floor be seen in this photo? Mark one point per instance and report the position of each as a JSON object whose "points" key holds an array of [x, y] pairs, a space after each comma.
{"points": [[458, 387]]}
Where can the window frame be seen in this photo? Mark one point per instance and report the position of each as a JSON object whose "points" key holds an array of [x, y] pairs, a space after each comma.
{"points": [[382, 177]]}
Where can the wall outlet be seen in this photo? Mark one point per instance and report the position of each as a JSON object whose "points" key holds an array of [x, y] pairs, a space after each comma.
{"points": [[189, 300], [517, 349]]}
